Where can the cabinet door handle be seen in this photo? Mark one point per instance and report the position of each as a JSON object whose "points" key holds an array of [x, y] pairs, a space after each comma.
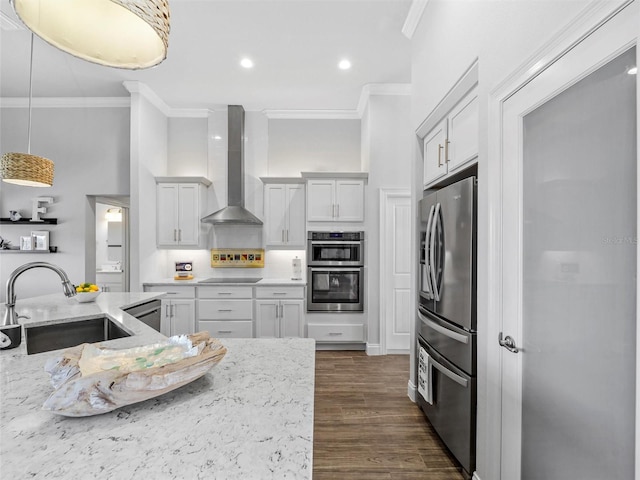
{"points": [[172, 293], [225, 331], [287, 235], [225, 293], [281, 311], [279, 293], [172, 311], [440, 147], [175, 235], [446, 150], [166, 311], [338, 210], [282, 231], [333, 334], [224, 310], [179, 234]]}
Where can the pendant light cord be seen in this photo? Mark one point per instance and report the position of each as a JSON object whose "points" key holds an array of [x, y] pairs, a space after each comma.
{"points": [[30, 91]]}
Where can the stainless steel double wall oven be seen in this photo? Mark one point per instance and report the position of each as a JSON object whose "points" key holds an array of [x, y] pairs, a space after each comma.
{"points": [[335, 264]]}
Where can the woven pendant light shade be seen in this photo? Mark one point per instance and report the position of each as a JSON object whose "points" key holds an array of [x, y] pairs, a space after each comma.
{"points": [[26, 169], [129, 34]]}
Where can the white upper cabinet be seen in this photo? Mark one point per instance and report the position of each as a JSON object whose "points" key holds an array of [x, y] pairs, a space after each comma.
{"points": [[463, 132], [179, 204], [335, 199], [284, 208], [450, 134], [434, 165]]}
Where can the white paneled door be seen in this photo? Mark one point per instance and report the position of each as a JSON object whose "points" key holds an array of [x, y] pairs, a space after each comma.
{"points": [[567, 344], [395, 275]]}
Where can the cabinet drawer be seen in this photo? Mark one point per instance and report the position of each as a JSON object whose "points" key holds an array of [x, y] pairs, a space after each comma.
{"points": [[336, 333], [279, 292], [225, 292], [172, 291], [223, 329], [225, 309]]}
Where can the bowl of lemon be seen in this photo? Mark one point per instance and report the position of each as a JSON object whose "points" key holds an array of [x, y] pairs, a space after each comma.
{"points": [[87, 292]]}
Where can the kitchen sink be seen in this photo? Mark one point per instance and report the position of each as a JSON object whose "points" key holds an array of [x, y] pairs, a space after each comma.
{"points": [[45, 338]]}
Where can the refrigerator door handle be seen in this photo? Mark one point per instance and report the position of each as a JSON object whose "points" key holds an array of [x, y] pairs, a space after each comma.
{"points": [[426, 287], [432, 252], [444, 331], [463, 382]]}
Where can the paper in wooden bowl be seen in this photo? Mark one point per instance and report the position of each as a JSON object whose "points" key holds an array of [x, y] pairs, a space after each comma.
{"points": [[90, 380], [86, 297]]}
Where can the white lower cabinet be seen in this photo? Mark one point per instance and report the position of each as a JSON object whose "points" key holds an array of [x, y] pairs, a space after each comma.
{"points": [[178, 309], [110, 281], [226, 311], [178, 317], [279, 312], [336, 332]]}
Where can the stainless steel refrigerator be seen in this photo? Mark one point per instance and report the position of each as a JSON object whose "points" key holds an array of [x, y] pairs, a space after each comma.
{"points": [[447, 316]]}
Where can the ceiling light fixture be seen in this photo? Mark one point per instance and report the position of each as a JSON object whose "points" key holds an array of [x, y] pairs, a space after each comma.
{"points": [[23, 168], [344, 64], [113, 215], [129, 34], [246, 63]]}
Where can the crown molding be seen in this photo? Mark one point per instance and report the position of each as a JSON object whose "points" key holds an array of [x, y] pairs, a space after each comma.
{"points": [[66, 102], [143, 90], [189, 113], [380, 89], [9, 24], [311, 114], [413, 17]]}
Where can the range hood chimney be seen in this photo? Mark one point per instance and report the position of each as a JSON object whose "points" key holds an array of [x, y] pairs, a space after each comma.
{"points": [[234, 213]]}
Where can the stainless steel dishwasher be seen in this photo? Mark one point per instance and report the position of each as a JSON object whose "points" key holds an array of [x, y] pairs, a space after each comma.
{"points": [[148, 313]]}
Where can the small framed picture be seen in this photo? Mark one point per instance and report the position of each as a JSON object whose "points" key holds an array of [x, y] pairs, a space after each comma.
{"points": [[40, 240], [26, 243]]}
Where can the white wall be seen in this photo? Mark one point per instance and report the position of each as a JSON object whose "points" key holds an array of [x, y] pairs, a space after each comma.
{"points": [[149, 138], [187, 147], [90, 150], [502, 35], [386, 140], [310, 145]]}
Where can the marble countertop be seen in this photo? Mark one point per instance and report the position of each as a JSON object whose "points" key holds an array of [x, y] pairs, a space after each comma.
{"points": [[262, 283], [250, 417]]}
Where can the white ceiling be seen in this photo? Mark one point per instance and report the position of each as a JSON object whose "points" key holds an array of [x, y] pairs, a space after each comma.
{"points": [[295, 44]]}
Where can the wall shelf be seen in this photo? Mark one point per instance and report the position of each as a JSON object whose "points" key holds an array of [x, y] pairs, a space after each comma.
{"points": [[15, 250], [27, 221]]}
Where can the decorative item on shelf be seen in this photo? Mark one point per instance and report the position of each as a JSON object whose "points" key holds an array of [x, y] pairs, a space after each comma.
{"points": [[40, 240], [129, 34], [26, 243], [183, 271], [14, 215], [37, 209], [24, 168], [5, 244]]}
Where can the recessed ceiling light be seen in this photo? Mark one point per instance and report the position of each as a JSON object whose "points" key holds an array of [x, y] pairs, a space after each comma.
{"points": [[217, 137], [344, 64], [632, 71], [246, 63]]}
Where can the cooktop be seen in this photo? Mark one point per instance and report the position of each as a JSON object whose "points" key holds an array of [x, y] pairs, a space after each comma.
{"points": [[230, 280]]}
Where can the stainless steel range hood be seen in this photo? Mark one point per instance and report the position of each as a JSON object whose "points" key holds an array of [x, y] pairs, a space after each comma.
{"points": [[234, 213]]}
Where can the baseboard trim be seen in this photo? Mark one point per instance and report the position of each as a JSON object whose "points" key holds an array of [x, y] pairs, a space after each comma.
{"points": [[411, 391], [374, 349]]}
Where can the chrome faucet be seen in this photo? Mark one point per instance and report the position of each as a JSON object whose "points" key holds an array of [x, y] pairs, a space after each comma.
{"points": [[10, 315]]}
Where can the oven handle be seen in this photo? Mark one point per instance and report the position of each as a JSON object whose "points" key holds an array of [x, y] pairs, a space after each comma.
{"points": [[458, 337], [333, 243], [445, 371], [336, 269]]}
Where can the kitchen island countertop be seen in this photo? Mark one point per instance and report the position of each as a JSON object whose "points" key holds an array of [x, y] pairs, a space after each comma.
{"points": [[250, 417]]}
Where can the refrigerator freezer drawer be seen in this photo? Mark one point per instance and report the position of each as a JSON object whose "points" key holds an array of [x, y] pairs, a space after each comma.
{"points": [[452, 411], [454, 343]]}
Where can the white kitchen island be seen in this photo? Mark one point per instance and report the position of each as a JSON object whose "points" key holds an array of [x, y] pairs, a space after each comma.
{"points": [[250, 417]]}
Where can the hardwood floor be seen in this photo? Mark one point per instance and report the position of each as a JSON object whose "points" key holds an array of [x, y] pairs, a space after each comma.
{"points": [[365, 426]]}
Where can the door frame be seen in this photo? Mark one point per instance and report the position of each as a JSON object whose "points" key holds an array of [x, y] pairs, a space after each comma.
{"points": [[385, 195], [590, 19]]}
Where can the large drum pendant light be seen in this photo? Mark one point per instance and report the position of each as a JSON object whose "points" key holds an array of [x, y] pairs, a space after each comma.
{"points": [[23, 168], [129, 34]]}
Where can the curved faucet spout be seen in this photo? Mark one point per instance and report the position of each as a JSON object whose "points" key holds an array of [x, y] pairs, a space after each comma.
{"points": [[10, 315]]}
